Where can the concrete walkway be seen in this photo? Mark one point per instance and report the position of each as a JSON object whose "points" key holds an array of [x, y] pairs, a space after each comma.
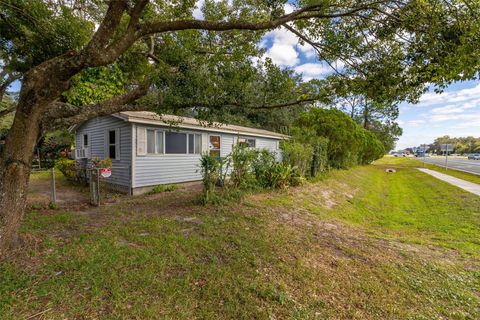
{"points": [[465, 185]]}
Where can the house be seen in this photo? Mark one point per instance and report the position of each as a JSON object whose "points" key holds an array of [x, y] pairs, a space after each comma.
{"points": [[148, 149]]}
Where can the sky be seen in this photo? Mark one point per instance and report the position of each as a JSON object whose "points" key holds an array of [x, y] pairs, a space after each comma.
{"points": [[455, 112]]}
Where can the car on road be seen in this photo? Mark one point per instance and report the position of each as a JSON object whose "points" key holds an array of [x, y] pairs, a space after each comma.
{"points": [[474, 156]]}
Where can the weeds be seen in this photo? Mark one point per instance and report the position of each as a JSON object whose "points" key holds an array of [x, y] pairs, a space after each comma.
{"points": [[163, 188]]}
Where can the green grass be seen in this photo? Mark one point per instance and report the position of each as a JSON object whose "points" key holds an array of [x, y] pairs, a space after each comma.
{"points": [[360, 244], [413, 206]]}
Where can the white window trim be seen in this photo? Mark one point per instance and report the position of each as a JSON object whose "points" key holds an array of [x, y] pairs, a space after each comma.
{"points": [[117, 144], [249, 138], [164, 136], [195, 135], [156, 153]]}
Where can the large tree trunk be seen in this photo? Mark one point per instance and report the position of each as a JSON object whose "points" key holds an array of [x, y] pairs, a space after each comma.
{"points": [[40, 87], [15, 171]]}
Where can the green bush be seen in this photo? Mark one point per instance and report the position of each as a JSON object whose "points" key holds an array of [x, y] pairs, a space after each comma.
{"points": [[299, 155], [69, 169], [163, 188], [252, 169], [210, 170], [242, 175], [348, 143]]}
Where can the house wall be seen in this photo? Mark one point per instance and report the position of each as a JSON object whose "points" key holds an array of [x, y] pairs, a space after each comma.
{"points": [[150, 170], [96, 129]]}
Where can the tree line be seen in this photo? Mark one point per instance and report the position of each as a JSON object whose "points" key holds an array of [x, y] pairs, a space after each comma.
{"points": [[461, 145]]}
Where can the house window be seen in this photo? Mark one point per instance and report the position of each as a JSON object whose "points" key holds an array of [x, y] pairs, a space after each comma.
{"points": [[113, 144], [194, 143], [175, 143], [154, 141], [85, 140], [159, 142], [214, 146], [249, 142]]}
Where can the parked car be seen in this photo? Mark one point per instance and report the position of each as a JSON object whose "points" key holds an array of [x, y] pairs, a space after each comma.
{"points": [[474, 156]]}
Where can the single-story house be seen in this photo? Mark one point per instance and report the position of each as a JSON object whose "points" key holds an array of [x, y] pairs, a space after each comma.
{"points": [[148, 149]]}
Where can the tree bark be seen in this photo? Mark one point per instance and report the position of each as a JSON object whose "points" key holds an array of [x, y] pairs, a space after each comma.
{"points": [[42, 85]]}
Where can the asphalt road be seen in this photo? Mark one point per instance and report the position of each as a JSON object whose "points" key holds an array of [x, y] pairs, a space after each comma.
{"points": [[471, 166]]}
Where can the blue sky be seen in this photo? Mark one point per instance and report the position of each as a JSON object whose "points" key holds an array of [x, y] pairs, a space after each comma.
{"points": [[455, 112]]}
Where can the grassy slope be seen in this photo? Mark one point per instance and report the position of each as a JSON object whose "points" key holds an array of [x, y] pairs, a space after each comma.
{"points": [[362, 244]]}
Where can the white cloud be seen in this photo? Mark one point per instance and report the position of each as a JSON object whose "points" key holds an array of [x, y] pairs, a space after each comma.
{"points": [[288, 8], [312, 70], [415, 123], [432, 98], [197, 12], [282, 51], [283, 55], [456, 108]]}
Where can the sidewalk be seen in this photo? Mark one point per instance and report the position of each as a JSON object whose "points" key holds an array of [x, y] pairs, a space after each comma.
{"points": [[465, 185]]}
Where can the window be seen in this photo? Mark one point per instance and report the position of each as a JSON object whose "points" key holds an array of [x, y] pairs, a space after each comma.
{"points": [[159, 141], [194, 143], [150, 141], [175, 143], [153, 141], [198, 144], [113, 144], [85, 140], [249, 142], [214, 146]]}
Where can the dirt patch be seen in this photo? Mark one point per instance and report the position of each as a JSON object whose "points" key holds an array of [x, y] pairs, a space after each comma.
{"points": [[40, 193]]}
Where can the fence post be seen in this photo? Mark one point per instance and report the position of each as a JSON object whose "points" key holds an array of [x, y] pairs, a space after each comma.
{"points": [[54, 191]]}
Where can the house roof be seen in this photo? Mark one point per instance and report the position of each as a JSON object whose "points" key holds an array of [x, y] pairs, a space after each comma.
{"points": [[147, 117]]}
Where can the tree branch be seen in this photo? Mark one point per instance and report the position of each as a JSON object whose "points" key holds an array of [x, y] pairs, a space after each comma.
{"points": [[302, 14], [287, 104], [64, 114], [107, 28], [7, 111], [137, 31]]}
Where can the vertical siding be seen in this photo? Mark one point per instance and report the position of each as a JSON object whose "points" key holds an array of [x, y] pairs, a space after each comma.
{"points": [[227, 143], [95, 129]]}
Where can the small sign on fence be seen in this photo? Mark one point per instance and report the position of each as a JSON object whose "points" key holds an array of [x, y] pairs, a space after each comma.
{"points": [[105, 172]]}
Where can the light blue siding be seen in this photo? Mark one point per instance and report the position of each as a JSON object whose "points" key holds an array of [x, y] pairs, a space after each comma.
{"points": [[150, 170], [96, 129]]}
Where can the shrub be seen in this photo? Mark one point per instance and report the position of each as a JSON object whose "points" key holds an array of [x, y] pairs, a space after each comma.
{"points": [[101, 163], [163, 188], [242, 175], [348, 143], [299, 155], [69, 168], [209, 168]]}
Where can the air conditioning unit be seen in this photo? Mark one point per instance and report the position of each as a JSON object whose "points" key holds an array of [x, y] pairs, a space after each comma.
{"points": [[82, 153]]}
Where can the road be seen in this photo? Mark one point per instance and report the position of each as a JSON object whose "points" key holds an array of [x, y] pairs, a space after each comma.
{"points": [[462, 164]]}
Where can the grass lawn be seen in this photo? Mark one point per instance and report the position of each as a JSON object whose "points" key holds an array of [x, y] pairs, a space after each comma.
{"points": [[360, 244]]}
